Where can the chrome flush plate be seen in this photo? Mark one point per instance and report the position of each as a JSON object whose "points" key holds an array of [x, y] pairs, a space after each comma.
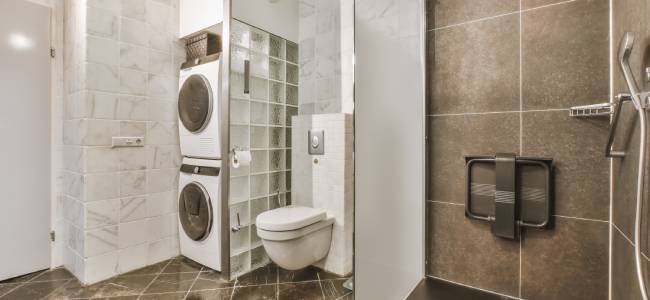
{"points": [[316, 140]]}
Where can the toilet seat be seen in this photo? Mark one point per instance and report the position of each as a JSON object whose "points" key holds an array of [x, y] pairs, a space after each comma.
{"points": [[290, 222]]}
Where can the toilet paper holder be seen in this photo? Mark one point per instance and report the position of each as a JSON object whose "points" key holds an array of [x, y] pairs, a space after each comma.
{"points": [[236, 149]]}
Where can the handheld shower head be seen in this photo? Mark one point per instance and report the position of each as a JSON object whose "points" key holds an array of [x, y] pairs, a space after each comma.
{"points": [[625, 47], [624, 52]]}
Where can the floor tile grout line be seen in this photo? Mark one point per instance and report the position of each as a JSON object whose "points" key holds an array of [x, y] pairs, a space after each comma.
{"points": [[277, 282], [581, 219], [18, 285], [322, 291], [471, 287], [156, 277], [192, 285], [500, 15], [56, 289], [555, 215], [628, 239], [345, 295], [521, 111]]}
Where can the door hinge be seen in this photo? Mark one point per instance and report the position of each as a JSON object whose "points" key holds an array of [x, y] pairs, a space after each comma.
{"points": [[52, 235], [52, 52]]}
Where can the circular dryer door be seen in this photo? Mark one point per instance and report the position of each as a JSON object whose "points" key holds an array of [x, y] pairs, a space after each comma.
{"points": [[195, 211], [195, 103]]}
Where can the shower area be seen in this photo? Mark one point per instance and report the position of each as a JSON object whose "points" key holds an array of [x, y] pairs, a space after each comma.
{"points": [[520, 79]]}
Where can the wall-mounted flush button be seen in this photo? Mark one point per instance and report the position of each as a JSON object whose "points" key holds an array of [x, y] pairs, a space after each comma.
{"points": [[316, 142]]}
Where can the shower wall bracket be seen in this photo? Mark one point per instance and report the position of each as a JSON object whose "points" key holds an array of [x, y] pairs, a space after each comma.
{"points": [[510, 192]]}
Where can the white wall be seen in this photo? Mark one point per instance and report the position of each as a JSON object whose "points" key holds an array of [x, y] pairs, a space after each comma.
{"points": [[121, 65], [389, 148], [326, 56], [328, 183], [279, 18]]}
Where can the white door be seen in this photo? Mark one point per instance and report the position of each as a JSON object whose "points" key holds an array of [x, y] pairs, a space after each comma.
{"points": [[25, 136]]}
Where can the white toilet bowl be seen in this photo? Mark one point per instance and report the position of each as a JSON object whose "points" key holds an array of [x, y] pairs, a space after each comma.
{"points": [[295, 237]]}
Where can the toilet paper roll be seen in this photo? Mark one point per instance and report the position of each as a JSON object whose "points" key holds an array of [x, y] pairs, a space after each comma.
{"points": [[240, 158]]}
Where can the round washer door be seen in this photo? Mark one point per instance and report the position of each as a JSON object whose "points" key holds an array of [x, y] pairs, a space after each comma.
{"points": [[195, 103], [195, 211]]}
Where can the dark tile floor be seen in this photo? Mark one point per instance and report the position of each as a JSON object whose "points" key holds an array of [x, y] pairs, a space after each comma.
{"points": [[179, 279], [430, 288]]}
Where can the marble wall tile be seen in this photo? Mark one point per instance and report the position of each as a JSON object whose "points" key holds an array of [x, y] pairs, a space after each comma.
{"points": [[99, 105], [158, 204], [324, 185], [102, 213], [133, 208], [102, 50], [162, 86], [111, 5], [133, 82], [161, 63], [100, 241], [158, 16], [73, 158], [134, 57], [105, 78], [133, 159], [134, 9], [100, 186], [101, 22], [133, 128], [121, 66], [133, 258], [160, 226], [133, 233], [100, 267], [163, 249], [131, 31], [133, 108], [161, 180], [132, 183], [163, 110], [101, 159]]}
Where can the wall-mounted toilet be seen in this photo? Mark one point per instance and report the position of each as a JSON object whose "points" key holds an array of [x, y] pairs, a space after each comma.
{"points": [[295, 237]]}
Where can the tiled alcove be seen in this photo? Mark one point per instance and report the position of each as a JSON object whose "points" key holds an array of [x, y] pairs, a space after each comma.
{"points": [[260, 120]]}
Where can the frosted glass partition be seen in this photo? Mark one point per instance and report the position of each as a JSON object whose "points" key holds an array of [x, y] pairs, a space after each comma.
{"points": [[389, 148], [260, 120]]}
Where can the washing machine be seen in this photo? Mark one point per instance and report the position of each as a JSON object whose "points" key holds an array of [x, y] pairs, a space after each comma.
{"points": [[198, 109], [199, 211]]}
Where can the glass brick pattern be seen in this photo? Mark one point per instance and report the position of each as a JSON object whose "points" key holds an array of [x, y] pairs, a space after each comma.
{"points": [[260, 120]]}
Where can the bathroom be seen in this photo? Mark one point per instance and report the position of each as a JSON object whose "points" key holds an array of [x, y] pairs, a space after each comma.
{"points": [[324, 149]]}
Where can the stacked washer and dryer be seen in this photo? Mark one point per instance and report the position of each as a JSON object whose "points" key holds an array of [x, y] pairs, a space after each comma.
{"points": [[199, 209]]}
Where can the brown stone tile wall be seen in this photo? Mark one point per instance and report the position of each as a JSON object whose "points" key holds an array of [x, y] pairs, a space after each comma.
{"points": [[628, 15], [501, 77]]}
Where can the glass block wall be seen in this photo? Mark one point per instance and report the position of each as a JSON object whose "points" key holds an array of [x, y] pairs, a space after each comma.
{"points": [[260, 120]]}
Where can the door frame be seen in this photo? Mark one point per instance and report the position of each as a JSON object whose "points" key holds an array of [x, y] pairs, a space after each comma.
{"points": [[56, 120]]}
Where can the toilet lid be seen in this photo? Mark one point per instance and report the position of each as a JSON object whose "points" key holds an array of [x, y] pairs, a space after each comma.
{"points": [[289, 218]]}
